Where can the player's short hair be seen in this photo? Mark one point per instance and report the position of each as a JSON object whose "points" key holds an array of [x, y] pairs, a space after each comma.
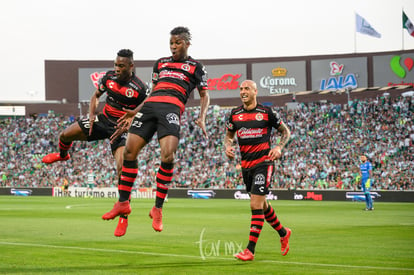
{"points": [[183, 32], [126, 53]]}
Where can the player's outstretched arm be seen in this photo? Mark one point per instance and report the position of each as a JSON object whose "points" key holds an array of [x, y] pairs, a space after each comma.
{"points": [[284, 139], [123, 125], [204, 103], [93, 105], [276, 152], [124, 122], [228, 145]]}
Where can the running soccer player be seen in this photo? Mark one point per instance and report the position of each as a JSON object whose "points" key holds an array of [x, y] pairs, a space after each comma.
{"points": [[125, 94], [173, 78], [253, 123], [366, 174]]}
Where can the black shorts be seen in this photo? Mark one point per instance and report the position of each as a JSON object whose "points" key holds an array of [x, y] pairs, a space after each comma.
{"points": [[103, 128], [257, 179], [163, 118]]}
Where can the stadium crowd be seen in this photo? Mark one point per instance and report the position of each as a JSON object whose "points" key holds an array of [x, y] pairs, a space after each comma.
{"points": [[327, 140]]}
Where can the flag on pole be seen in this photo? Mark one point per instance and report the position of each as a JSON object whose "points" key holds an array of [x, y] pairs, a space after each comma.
{"points": [[408, 25], [364, 27]]}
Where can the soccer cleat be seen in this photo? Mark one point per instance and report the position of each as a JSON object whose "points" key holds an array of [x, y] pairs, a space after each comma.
{"points": [[245, 255], [284, 241], [121, 228], [53, 157], [156, 216], [120, 208]]}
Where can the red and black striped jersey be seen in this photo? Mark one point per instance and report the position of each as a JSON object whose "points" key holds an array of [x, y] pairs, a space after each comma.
{"points": [[253, 130], [121, 94], [173, 81]]}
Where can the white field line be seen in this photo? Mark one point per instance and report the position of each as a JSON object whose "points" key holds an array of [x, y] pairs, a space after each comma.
{"points": [[103, 250]]}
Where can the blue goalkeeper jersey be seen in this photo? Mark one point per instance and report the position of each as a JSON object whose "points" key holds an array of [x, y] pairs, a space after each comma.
{"points": [[365, 168]]}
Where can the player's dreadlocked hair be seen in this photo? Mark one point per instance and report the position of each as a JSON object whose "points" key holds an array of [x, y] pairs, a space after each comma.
{"points": [[183, 32], [127, 53]]}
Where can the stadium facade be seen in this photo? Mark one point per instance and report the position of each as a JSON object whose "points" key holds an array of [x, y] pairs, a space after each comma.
{"points": [[69, 84]]}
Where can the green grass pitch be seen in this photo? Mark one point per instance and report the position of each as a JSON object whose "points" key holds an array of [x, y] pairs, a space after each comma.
{"points": [[46, 235]]}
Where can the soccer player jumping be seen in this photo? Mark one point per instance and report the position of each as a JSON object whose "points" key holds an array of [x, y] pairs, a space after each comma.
{"points": [[253, 123], [173, 78], [125, 93]]}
